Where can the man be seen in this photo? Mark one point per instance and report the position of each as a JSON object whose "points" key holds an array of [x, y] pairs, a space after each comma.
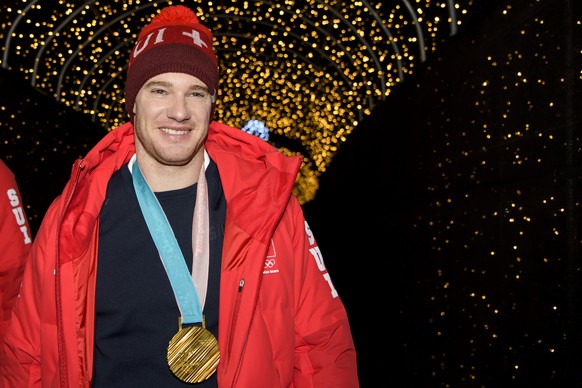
{"points": [[177, 254], [15, 243]]}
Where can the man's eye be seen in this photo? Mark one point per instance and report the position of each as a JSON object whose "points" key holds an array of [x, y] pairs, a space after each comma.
{"points": [[198, 94], [158, 91]]}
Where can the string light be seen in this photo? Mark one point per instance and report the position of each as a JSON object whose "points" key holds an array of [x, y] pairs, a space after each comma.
{"points": [[257, 128]]}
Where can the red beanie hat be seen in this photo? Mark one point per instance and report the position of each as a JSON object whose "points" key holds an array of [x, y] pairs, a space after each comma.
{"points": [[174, 42]]}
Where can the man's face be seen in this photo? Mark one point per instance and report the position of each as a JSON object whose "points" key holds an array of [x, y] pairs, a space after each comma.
{"points": [[172, 113]]}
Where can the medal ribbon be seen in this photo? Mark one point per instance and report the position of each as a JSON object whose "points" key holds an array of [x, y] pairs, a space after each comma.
{"points": [[186, 289]]}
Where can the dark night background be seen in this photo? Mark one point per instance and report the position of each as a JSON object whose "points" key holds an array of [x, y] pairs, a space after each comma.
{"points": [[449, 220]]}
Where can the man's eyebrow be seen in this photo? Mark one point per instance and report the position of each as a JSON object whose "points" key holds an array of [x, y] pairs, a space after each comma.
{"points": [[200, 87], [168, 84], [157, 83]]}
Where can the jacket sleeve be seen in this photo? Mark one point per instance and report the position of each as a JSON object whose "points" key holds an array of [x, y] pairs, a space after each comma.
{"points": [[20, 354], [325, 354], [15, 242]]}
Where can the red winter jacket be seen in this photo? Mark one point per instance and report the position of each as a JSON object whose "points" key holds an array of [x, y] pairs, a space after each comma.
{"points": [[281, 322], [15, 243]]}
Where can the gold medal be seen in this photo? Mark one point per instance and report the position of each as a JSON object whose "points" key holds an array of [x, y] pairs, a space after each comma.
{"points": [[193, 354]]}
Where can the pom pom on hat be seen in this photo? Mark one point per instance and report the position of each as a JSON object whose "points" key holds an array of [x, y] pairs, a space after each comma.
{"points": [[174, 42], [178, 14]]}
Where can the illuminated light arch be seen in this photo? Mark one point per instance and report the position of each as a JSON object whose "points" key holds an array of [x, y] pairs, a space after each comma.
{"points": [[11, 32], [419, 34], [74, 54], [338, 60]]}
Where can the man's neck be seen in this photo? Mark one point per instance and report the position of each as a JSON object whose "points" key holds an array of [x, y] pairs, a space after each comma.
{"points": [[162, 177]]}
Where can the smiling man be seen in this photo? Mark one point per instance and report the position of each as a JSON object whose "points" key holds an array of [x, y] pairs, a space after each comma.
{"points": [[177, 253]]}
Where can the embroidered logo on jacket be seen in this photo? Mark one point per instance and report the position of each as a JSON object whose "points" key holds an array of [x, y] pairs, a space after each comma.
{"points": [[318, 257], [270, 265], [19, 214]]}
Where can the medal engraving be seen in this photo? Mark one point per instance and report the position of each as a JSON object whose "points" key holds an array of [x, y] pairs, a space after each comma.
{"points": [[193, 354]]}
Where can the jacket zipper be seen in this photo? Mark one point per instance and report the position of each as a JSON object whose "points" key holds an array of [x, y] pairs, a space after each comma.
{"points": [[241, 284], [77, 167]]}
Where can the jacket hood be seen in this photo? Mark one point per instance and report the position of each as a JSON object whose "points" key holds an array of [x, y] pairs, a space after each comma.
{"points": [[83, 195], [253, 174]]}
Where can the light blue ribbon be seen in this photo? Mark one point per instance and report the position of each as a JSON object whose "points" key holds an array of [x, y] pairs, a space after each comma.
{"points": [[169, 250]]}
